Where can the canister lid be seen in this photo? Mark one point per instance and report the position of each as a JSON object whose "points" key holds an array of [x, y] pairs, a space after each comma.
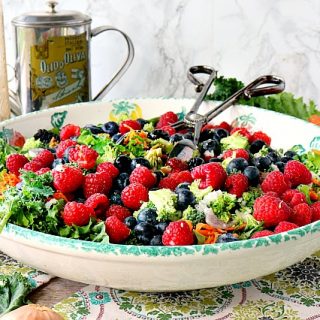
{"points": [[51, 18]]}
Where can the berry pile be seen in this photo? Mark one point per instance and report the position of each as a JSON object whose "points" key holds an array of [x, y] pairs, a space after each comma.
{"points": [[119, 175]]}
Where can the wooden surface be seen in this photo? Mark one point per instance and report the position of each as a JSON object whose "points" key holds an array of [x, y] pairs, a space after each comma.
{"points": [[54, 291]]}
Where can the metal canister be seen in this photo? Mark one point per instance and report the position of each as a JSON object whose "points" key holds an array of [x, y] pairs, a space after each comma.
{"points": [[53, 59]]}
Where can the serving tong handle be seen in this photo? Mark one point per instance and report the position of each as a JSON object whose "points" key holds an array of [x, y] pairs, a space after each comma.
{"points": [[263, 85]]}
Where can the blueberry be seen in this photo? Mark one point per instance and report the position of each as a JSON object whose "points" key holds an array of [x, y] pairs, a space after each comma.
{"points": [[226, 237], [262, 163], [280, 165], [182, 186], [215, 160], [116, 137], [142, 122], [115, 198], [144, 228], [161, 226], [156, 241], [57, 162], [220, 133], [121, 181], [237, 164], [206, 135], [139, 161], [285, 159], [176, 137], [159, 175], [143, 239], [274, 157], [157, 134], [110, 128], [147, 215], [256, 146], [211, 147], [291, 154], [93, 128], [194, 162], [123, 163], [185, 198], [253, 175], [66, 154], [130, 222]]}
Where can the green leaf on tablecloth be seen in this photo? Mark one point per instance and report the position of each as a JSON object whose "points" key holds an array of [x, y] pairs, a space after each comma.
{"points": [[13, 292]]}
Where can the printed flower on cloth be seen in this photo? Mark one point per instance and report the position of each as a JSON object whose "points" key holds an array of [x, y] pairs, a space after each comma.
{"points": [[9, 266], [291, 294]]}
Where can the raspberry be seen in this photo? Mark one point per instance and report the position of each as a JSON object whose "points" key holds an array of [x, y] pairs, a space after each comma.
{"points": [[224, 125], [293, 197], [99, 182], [301, 214], [315, 208], [76, 213], [84, 156], [45, 157], [241, 130], [169, 130], [297, 173], [17, 139], [67, 179], [69, 131], [167, 119], [127, 125], [259, 135], [177, 164], [15, 162], [210, 174], [182, 176], [43, 171], [237, 184], [284, 226], [168, 183], [133, 195], [262, 233], [109, 168], [270, 210], [63, 146], [144, 176], [33, 166], [116, 230], [275, 181], [119, 211], [237, 153], [177, 233], [99, 203]]}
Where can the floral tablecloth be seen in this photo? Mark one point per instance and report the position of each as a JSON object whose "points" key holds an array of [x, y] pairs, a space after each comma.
{"points": [[291, 294]]}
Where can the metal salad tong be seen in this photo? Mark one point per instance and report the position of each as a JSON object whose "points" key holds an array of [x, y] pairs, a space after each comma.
{"points": [[184, 149]]}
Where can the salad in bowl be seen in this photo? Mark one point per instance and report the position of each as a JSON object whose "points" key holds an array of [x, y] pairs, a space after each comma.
{"points": [[99, 193]]}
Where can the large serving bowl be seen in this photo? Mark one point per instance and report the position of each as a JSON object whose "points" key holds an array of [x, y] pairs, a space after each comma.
{"points": [[146, 268]]}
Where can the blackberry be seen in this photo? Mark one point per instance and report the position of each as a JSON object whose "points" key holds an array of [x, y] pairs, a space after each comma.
{"points": [[45, 136]]}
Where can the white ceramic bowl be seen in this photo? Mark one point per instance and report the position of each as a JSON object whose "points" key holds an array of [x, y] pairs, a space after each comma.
{"points": [[146, 268]]}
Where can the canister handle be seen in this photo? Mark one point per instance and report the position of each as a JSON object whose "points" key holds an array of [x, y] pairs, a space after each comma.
{"points": [[123, 68]]}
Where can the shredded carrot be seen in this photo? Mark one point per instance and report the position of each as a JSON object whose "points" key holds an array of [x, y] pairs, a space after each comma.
{"points": [[189, 224], [59, 195], [313, 195], [132, 135], [316, 151], [7, 180], [316, 181], [209, 232]]}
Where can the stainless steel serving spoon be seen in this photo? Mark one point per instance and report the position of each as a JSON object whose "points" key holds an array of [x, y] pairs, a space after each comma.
{"points": [[184, 149]]}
